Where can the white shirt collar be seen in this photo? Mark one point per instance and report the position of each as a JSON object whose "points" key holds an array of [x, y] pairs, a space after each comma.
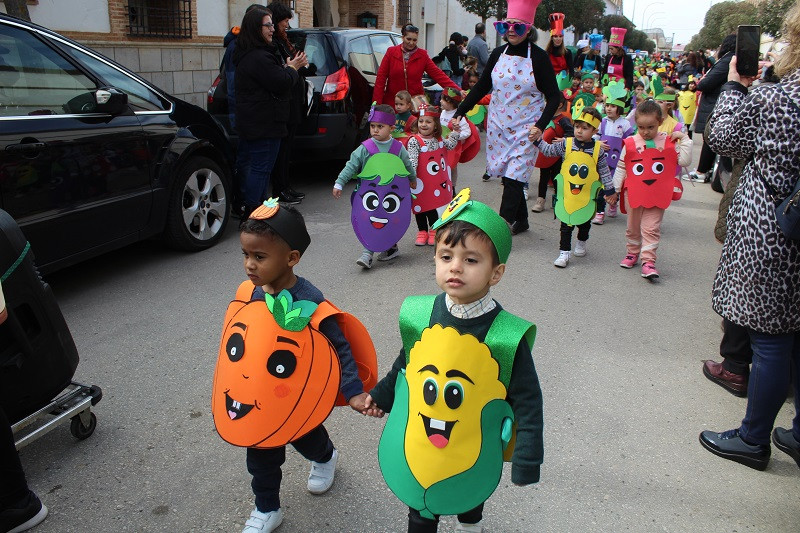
{"points": [[472, 309]]}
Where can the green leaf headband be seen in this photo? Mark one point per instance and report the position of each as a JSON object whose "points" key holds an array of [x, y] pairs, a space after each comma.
{"points": [[616, 93], [482, 216], [384, 165], [288, 314]]}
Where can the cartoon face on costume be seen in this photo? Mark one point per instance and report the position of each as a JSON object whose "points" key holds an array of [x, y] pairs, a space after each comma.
{"points": [[434, 186], [381, 206], [614, 150], [687, 104], [651, 176], [579, 171], [272, 385], [451, 378]]}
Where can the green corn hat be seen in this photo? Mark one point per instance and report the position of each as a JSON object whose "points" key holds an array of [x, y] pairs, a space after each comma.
{"points": [[482, 216]]}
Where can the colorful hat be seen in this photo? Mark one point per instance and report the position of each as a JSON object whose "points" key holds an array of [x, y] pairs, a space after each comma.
{"points": [[556, 23], [587, 76], [482, 216], [524, 10], [427, 110], [288, 224], [453, 94], [617, 37], [595, 41], [381, 117], [589, 119], [616, 93]]}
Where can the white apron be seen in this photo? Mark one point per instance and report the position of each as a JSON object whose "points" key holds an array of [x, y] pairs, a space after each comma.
{"points": [[516, 105]]}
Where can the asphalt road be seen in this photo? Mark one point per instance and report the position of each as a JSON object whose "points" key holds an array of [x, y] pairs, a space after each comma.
{"points": [[618, 357]]}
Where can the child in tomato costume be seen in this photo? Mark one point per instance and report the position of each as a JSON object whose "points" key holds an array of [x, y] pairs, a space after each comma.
{"points": [[645, 178], [273, 240], [428, 153]]}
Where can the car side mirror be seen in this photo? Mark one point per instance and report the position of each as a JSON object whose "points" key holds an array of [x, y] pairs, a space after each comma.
{"points": [[110, 100]]}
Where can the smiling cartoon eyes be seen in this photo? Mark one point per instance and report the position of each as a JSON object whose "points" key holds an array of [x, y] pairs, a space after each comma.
{"points": [[235, 347], [433, 167], [281, 363], [582, 171], [371, 202], [657, 168], [453, 393]]}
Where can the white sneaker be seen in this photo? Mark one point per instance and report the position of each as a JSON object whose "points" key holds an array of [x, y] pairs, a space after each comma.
{"points": [[538, 206], [365, 260], [580, 248], [320, 478], [263, 522], [525, 193], [469, 528], [562, 260]]}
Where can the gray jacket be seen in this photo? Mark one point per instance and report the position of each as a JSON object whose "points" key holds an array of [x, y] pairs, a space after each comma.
{"points": [[478, 49]]}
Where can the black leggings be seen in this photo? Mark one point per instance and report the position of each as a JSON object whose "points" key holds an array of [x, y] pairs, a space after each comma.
{"points": [[545, 175], [735, 348], [566, 234], [512, 206], [419, 524], [425, 220], [707, 157]]}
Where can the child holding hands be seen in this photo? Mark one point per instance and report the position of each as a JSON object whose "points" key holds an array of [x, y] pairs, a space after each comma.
{"points": [[464, 374], [646, 174], [584, 172]]}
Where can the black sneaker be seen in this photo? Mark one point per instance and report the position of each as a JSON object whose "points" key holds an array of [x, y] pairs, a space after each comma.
{"points": [[31, 513], [284, 198], [296, 194], [785, 441], [486, 177]]}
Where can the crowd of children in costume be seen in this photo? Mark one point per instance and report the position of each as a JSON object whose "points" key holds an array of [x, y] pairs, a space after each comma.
{"points": [[463, 395]]}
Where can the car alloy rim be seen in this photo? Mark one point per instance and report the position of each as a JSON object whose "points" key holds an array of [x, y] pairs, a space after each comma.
{"points": [[204, 204]]}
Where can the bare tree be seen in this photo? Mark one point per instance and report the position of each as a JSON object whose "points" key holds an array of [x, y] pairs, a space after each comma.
{"points": [[18, 8]]}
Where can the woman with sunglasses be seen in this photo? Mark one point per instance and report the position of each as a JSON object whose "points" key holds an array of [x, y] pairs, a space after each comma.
{"points": [[525, 97], [402, 69], [264, 82]]}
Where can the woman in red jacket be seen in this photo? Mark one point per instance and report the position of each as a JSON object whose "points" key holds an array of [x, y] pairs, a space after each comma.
{"points": [[402, 68]]}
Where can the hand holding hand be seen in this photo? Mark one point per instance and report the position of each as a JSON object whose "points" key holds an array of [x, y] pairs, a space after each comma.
{"points": [[371, 408], [534, 133], [358, 402], [337, 193], [612, 199]]}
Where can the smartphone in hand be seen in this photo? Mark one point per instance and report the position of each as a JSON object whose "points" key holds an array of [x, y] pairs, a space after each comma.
{"points": [[748, 42]]}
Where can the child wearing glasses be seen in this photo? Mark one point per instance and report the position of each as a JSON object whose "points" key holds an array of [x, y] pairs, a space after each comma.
{"points": [[524, 92]]}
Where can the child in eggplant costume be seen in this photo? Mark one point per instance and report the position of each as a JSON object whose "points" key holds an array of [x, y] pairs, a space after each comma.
{"points": [[465, 362]]}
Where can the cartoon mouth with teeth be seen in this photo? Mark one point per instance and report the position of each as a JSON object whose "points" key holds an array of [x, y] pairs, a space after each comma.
{"points": [[438, 431], [575, 188], [378, 223], [577, 185], [236, 410]]}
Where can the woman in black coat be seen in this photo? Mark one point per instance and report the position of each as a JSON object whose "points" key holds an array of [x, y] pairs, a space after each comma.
{"points": [[281, 186], [263, 90], [710, 86], [453, 53]]}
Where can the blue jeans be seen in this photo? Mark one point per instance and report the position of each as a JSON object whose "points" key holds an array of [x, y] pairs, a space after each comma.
{"points": [[770, 374], [258, 156]]}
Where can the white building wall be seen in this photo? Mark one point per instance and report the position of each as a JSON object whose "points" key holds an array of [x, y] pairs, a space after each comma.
{"points": [[212, 17], [82, 15]]}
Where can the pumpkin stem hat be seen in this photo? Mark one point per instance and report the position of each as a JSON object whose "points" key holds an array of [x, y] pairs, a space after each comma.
{"points": [[463, 208], [286, 222]]}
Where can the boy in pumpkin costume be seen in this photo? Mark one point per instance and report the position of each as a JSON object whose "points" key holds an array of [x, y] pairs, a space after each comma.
{"points": [[281, 366], [465, 362]]}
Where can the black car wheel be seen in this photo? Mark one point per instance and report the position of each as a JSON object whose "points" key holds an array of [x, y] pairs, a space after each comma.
{"points": [[199, 205]]}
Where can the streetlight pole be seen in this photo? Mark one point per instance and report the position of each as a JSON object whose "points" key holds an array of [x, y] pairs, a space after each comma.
{"points": [[651, 18], [644, 11]]}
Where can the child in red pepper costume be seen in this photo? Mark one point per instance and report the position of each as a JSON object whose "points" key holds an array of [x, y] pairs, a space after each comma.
{"points": [[645, 178]]}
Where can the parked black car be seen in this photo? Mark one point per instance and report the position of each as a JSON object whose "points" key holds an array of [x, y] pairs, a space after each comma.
{"points": [[343, 64], [93, 157]]}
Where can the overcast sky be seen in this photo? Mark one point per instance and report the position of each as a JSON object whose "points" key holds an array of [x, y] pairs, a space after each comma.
{"points": [[683, 17]]}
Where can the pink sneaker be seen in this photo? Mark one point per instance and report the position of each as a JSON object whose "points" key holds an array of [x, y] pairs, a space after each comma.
{"points": [[649, 271], [611, 211], [629, 261], [422, 238], [431, 237], [599, 218]]}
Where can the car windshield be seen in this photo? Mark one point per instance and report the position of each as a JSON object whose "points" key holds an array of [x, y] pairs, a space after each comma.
{"points": [[320, 57]]}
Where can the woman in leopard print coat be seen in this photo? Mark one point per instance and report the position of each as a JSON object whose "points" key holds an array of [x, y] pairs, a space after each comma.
{"points": [[758, 279]]}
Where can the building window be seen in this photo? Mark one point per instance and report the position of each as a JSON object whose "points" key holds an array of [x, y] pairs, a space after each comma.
{"points": [[403, 12], [160, 18]]}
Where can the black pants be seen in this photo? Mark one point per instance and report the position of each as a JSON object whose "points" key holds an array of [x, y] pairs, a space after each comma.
{"points": [[545, 175], [265, 465], [707, 157], [426, 220], [280, 172], [513, 207], [13, 486], [735, 348], [566, 234], [418, 524]]}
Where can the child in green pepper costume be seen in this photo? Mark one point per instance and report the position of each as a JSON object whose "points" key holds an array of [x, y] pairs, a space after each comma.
{"points": [[465, 361], [584, 172]]}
